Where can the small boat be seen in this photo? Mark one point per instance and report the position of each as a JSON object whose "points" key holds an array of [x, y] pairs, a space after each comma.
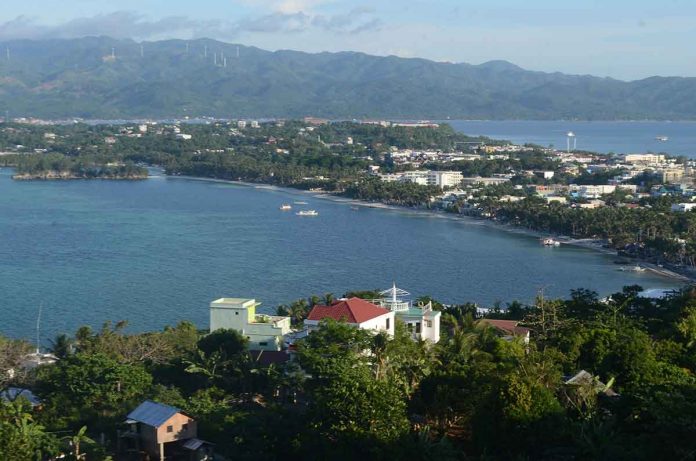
{"points": [[300, 203], [354, 208], [549, 242], [635, 268], [662, 138], [285, 207], [307, 213]]}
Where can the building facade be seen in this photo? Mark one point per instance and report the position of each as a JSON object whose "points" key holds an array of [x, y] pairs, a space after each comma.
{"points": [[264, 332], [422, 321], [354, 311]]}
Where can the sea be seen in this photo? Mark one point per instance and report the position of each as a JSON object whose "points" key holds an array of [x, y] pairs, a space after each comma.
{"points": [[605, 137], [158, 251]]}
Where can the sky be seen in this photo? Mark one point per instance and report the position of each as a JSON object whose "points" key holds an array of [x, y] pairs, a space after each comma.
{"points": [[622, 39]]}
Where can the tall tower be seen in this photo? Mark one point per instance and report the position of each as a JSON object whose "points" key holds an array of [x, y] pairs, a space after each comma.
{"points": [[571, 136]]}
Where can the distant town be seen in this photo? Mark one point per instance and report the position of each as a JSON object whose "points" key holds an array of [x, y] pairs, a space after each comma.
{"points": [[633, 204]]}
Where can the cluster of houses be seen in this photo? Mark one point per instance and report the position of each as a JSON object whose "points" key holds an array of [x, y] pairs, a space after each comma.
{"points": [[157, 431], [275, 333]]}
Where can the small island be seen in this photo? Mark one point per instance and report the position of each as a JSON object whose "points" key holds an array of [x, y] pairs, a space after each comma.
{"points": [[63, 167]]}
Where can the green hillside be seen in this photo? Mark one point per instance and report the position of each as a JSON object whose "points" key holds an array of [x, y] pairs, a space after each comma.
{"points": [[78, 78]]}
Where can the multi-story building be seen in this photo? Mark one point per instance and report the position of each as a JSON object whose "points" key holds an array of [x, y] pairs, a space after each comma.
{"points": [[422, 321], [644, 159], [264, 332], [444, 178], [671, 175]]}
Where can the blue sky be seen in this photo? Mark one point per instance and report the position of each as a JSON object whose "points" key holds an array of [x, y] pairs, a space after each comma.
{"points": [[617, 38]]}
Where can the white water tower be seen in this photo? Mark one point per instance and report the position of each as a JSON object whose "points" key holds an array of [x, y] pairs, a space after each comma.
{"points": [[571, 136]]}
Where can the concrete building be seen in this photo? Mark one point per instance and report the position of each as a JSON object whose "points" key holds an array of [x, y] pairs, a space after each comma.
{"points": [[422, 321], [264, 332], [595, 191], [354, 311], [444, 178], [671, 175], [241, 124], [683, 207], [644, 159], [183, 136], [484, 181], [417, 177]]}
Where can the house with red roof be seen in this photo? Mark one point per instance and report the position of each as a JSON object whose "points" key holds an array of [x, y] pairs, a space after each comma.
{"points": [[509, 329], [354, 311]]}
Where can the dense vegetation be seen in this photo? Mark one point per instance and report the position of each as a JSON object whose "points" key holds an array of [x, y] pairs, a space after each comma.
{"points": [[474, 395], [653, 233], [78, 78], [83, 167]]}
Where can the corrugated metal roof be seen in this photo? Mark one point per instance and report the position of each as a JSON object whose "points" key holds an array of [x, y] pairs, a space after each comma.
{"points": [[193, 444], [13, 393], [152, 413]]}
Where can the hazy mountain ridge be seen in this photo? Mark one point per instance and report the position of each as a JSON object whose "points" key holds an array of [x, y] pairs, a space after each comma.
{"points": [[78, 78]]}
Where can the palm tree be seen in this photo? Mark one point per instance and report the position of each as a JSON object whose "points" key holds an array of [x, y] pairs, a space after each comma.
{"points": [[75, 441], [62, 346]]}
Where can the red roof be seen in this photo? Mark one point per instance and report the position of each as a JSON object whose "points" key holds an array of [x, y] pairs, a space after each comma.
{"points": [[353, 310], [507, 326]]}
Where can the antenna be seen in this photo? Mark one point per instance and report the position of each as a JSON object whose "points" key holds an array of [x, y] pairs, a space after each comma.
{"points": [[38, 330]]}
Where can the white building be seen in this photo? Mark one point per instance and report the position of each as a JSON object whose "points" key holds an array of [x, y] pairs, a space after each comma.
{"points": [[644, 159], [422, 321], [354, 311], [183, 136], [264, 332], [445, 178], [418, 177], [595, 191], [241, 124], [484, 181], [683, 207]]}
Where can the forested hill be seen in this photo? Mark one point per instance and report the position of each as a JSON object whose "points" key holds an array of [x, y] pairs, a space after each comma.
{"points": [[174, 78]]}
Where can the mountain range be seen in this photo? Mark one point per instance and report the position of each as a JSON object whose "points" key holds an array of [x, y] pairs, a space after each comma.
{"points": [[101, 77]]}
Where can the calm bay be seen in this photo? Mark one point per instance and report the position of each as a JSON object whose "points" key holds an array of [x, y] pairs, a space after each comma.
{"points": [[155, 252]]}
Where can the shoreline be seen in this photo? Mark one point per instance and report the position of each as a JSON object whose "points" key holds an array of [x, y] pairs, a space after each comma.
{"points": [[588, 244]]}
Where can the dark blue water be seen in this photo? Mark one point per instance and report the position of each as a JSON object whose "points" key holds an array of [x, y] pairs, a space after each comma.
{"points": [[158, 251], [605, 137]]}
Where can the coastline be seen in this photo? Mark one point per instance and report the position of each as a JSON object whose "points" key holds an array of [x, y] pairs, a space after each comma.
{"points": [[73, 177], [588, 244]]}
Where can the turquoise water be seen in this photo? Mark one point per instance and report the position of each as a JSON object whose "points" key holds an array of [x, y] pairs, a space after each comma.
{"points": [[617, 137], [158, 251]]}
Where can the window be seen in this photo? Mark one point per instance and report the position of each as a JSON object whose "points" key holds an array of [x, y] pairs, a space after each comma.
{"points": [[264, 343], [418, 327], [388, 323], [170, 428], [184, 427], [236, 313], [428, 323]]}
